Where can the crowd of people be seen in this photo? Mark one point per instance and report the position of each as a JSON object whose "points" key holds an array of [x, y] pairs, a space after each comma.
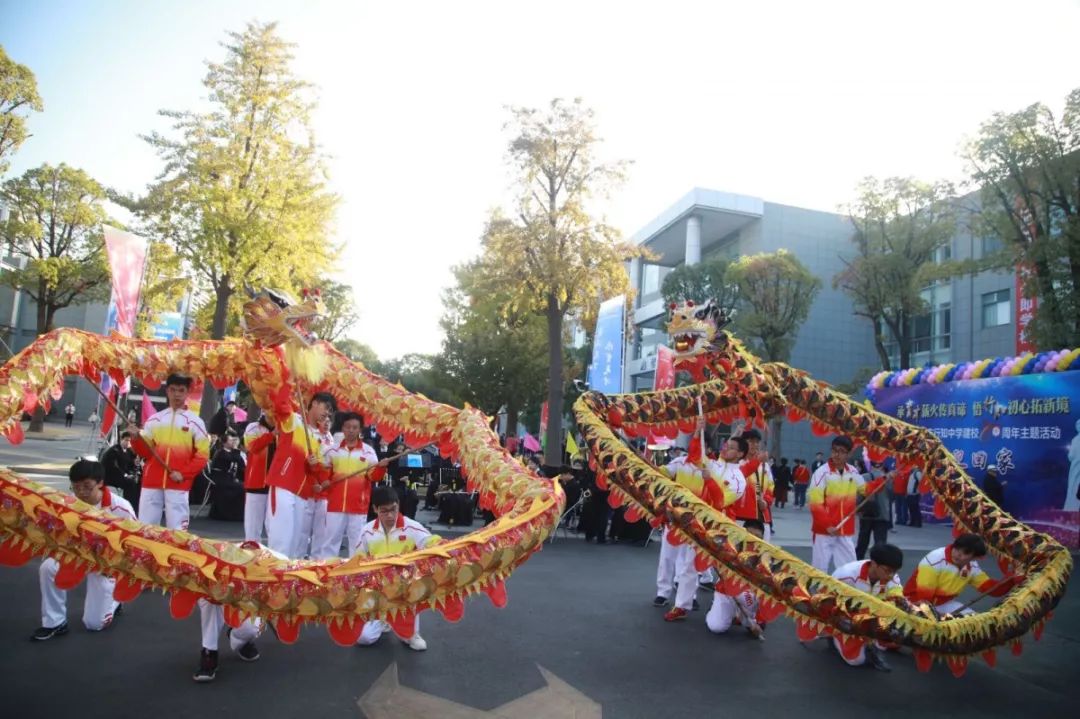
{"points": [[307, 483]]}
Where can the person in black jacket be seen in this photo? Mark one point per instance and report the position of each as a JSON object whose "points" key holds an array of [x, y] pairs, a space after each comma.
{"points": [[227, 470], [121, 469], [993, 487]]}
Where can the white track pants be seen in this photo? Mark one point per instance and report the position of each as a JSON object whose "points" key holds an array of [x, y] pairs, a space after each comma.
{"points": [[839, 550], [334, 526], [677, 563], [285, 519], [173, 502], [212, 619], [98, 609], [375, 629], [724, 610], [254, 516]]}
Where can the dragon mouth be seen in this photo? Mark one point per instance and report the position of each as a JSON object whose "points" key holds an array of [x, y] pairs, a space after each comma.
{"points": [[686, 342], [298, 326]]}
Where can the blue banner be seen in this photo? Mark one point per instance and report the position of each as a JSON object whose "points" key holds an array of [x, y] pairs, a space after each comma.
{"points": [[606, 371], [1028, 426]]}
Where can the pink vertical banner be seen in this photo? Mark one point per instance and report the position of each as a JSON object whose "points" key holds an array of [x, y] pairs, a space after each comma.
{"points": [[127, 257]]}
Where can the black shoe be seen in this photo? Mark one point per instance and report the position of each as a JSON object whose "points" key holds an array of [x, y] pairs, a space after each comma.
{"points": [[45, 633], [876, 658], [249, 652], [660, 601], [207, 667], [695, 606]]}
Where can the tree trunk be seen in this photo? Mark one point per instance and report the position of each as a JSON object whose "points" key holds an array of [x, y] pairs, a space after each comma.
{"points": [[217, 331], [553, 454], [879, 345], [776, 429], [512, 412], [44, 324]]}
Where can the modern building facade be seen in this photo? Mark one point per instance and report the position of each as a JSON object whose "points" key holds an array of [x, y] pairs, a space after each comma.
{"points": [[970, 317]]}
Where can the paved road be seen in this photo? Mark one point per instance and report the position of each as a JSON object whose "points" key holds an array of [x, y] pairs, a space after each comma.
{"points": [[579, 612]]}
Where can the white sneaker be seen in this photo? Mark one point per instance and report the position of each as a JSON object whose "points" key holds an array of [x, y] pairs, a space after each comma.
{"points": [[416, 643]]}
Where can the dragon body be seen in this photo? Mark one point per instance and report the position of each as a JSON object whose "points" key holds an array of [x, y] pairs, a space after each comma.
{"points": [[735, 385]]}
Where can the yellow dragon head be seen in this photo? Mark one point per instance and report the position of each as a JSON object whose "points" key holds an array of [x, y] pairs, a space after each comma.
{"points": [[273, 317], [694, 329]]}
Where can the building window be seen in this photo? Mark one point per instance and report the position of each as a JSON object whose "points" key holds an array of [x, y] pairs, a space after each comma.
{"points": [[943, 253], [996, 309], [989, 245]]}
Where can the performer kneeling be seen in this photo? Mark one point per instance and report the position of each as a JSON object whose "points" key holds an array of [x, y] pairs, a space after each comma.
{"points": [[391, 532], [875, 576], [943, 573], [241, 640], [731, 606], [88, 484]]}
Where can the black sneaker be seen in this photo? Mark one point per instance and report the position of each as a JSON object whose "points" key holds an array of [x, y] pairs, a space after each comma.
{"points": [[207, 667], [876, 658], [695, 606], [660, 601], [249, 652], [45, 633]]}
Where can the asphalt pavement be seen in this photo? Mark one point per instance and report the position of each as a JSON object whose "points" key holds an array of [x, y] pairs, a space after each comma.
{"points": [[579, 638]]}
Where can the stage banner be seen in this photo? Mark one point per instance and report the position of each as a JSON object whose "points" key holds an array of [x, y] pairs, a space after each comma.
{"points": [[607, 367], [1028, 426], [127, 257]]}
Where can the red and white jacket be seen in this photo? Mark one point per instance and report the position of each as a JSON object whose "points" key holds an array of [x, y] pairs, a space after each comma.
{"points": [[833, 495], [759, 482], [937, 580], [405, 536], [353, 495], [290, 470], [117, 506], [257, 441], [179, 438], [857, 574]]}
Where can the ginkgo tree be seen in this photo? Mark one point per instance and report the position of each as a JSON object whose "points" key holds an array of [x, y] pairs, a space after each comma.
{"points": [[550, 253]]}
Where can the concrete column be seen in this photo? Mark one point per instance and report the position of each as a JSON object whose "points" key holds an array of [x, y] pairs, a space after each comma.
{"points": [[635, 273], [693, 240]]}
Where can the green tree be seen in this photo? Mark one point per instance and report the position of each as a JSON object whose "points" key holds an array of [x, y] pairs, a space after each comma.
{"points": [[243, 195], [704, 281], [164, 286], [553, 256], [18, 96], [418, 373], [340, 315], [494, 358], [1027, 164], [359, 352], [900, 225], [775, 294], [55, 226]]}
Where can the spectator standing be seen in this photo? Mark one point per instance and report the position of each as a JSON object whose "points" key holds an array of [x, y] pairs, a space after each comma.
{"points": [[898, 489], [993, 487], [914, 499], [121, 472], [69, 414], [800, 478], [783, 478]]}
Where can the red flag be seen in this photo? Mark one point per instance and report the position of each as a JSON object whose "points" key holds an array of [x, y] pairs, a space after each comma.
{"points": [[110, 414], [147, 407]]}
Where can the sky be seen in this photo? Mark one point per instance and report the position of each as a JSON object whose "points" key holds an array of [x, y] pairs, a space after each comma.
{"points": [[793, 102]]}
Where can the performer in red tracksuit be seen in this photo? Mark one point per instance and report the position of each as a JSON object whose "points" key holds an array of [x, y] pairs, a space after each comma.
{"points": [[178, 438], [347, 493], [296, 467], [758, 497], [259, 443]]}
